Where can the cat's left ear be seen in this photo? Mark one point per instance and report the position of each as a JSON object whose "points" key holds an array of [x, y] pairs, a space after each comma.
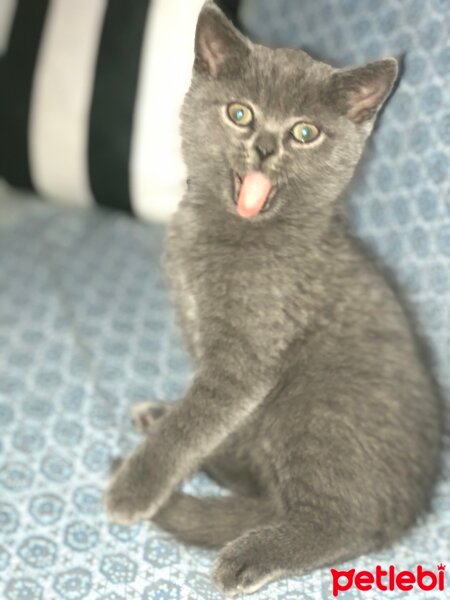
{"points": [[220, 48], [360, 92]]}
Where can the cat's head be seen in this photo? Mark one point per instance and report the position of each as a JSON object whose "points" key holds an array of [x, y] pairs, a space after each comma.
{"points": [[271, 130]]}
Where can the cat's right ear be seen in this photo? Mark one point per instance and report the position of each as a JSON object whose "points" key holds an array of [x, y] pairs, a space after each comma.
{"points": [[219, 47], [360, 92]]}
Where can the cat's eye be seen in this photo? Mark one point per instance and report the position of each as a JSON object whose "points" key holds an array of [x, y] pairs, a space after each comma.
{"points": [[240, 114], [305, 132]]}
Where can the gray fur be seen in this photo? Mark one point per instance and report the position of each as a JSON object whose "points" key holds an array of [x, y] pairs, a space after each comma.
{"points": [[310, 400]]}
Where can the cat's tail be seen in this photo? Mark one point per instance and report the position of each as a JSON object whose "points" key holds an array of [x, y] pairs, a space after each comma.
{"points": [[212, 522]]}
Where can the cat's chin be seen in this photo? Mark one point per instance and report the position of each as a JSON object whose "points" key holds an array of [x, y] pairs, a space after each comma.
{"points": [[237, 180]]}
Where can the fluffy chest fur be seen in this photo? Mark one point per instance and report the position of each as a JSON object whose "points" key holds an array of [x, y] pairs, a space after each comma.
{"points": [[253, 280]]}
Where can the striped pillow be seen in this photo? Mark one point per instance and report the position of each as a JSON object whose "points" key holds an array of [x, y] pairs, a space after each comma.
{"points": [[89, 102]]}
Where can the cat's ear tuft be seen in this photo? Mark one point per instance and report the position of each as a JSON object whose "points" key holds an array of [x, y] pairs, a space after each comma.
{"points": [[219, 47], [362, 91]]}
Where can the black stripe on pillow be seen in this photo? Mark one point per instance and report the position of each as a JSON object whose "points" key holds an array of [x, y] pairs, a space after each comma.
{"points": [[113, 102], [231, 9], [15, 96]]}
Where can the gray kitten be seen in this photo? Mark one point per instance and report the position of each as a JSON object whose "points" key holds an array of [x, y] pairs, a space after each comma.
{"points": [[310, 401]]}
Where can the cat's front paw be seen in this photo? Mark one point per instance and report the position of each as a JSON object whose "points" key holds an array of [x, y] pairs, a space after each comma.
{"points": [[132, 494], [119, 506]]}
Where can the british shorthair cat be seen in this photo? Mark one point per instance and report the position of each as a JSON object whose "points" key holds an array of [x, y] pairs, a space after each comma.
{"points": [[310, 401]]}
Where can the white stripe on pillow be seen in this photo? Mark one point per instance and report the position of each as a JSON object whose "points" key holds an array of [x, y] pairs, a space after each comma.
{"points": [[157, 171], [61, 100]]}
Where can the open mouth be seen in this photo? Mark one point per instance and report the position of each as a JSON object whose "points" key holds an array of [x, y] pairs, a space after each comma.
{"points": [[253, 193], [237, 183]]}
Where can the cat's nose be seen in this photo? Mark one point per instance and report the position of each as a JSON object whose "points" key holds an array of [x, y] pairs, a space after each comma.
{"points": [[265, 145]]}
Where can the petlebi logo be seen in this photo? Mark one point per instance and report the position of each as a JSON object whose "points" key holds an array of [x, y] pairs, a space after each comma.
{"points": [[389, 580]]}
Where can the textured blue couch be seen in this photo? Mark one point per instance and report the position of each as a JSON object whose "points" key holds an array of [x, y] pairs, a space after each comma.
{"points": [[86, 331]]}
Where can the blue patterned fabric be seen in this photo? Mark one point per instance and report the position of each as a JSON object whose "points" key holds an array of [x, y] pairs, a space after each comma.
{"points": [[86, 331]]}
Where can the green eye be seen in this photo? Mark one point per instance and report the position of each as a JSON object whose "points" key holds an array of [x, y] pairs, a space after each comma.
{"points": [[240, 114], [305, 132]]}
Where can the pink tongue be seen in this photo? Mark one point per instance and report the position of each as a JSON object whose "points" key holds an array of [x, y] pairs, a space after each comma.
{"points": [[255, 190]]}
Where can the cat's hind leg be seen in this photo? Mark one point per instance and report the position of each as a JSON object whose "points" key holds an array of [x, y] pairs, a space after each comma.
{"points": [[143, 418], [145, 414], [232, 471], [215, 520], [290, 546]]}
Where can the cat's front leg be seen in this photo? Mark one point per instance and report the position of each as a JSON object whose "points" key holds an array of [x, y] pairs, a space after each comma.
{"points": [[221, 396], [138, 486]]}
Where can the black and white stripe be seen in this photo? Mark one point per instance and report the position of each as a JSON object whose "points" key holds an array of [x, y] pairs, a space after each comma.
{"points": [[7, 11], [17, 73], [109, 175], [89, 102]]}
